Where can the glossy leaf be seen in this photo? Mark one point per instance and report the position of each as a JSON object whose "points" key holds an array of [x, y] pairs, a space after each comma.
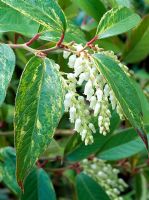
{"points": [[39, 106], [137, 47], [12, 20], [8, 168], [144, 102], [122, 145], [117, 21], [124, 91], [38, 185], [46, 13], [88, 189], [140, 183], [94, 8], [7, 65]]}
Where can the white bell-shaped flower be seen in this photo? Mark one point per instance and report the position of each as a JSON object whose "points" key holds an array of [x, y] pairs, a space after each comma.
{"points": [[100, 121], [66, 54], [78, 124], [106, 90], [78, 47], [93, 102], [71, 77], [72, 114], [99, 94], [92, 127], [78, 62], [72, 60], [97, 109], [78, 70], [83, 134], [83, 77], [88, 87], [90, 94]]}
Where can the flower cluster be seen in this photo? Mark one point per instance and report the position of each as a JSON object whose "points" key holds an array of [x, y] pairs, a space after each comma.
{"points": [[96, 98], [106, 176]]}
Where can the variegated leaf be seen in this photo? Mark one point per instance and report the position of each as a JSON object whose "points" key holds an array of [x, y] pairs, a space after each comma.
{"points": [[39, 106], [124, 91], [7, 64], [47, 13], [8, 168], [117, 21]]}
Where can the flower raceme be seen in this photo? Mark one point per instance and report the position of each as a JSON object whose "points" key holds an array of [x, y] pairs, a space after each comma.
{"points": [[96, 98], [106, 176]]}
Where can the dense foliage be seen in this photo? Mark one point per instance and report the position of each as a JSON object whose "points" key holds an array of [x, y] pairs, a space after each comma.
{"points": [[74, 99]]}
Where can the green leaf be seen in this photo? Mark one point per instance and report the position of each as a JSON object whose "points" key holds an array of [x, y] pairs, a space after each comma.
{"points": [[140, 186], [81, 151], [94, 8], [137, 46], [46, 13], [38, 185], [88, 189], [117, 21], [144, 103], [7, 65], [122, 145], [12, 20], [39, 106], [124, 91], [8, 167]]}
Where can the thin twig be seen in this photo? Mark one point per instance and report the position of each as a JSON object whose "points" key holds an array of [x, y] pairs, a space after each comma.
{"points": [[61, 40], [6, 133], [33, 39]]}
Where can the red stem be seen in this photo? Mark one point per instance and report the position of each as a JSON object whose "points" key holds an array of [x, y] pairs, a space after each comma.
{"points": [[92, 40], [33, 39], [61, 40]]}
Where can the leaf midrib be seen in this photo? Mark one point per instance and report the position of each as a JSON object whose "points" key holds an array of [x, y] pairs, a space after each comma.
{"points": [[118, 92], [116, 24], [39, 92], [87, 189]]}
